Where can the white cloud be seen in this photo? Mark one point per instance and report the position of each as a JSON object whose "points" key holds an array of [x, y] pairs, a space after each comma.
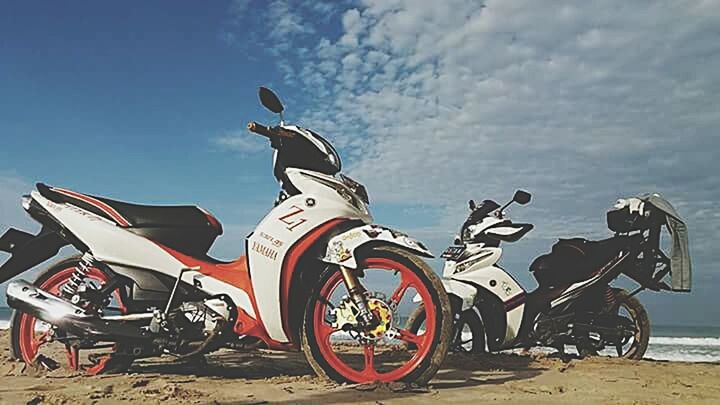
{"points": [[433, 103], [575, 101], [284, 20]]}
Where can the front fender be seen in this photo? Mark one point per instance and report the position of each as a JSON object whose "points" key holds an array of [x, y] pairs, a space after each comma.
{"points": [[341, 249]]}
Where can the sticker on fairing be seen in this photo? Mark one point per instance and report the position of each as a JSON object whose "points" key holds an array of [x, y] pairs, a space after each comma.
{"points": [[453, 252]]}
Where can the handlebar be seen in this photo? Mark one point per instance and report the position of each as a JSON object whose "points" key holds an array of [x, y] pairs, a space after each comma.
{"points": [[269, 132], [260, 129]]}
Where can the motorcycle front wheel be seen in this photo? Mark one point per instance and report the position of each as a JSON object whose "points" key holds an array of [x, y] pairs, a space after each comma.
{"points": [[342, 351]]}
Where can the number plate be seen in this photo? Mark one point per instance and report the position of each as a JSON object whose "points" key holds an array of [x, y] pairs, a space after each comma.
{"points": [[453, 252]]}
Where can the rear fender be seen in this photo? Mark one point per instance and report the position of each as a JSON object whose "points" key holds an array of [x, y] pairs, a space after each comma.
{"points": [[27, 250], [342, 249]]}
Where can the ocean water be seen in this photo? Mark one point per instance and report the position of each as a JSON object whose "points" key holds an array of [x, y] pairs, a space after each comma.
{"points": [[672, 343], [4, 317], [685, 343]]}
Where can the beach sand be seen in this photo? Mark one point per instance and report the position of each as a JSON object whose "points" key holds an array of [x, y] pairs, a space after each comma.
{"points": [[275, 377]]}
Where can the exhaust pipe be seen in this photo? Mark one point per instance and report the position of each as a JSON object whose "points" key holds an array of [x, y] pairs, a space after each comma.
{"points": [[33, 301]]}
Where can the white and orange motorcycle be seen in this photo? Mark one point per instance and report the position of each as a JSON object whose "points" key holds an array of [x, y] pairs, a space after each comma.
{"points": [[317, 277]]}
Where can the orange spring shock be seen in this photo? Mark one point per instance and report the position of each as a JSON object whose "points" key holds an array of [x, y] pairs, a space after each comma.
{"points": [[609, 298], [77, 279]]}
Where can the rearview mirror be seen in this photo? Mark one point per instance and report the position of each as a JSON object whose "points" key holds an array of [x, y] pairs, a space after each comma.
{"points": [[472, 205], [521, 197], [270, 101]]}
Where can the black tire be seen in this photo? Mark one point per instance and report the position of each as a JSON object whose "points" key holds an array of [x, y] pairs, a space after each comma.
{"points": [[112, 364], [637, 313], [440, 341], [468, 318], [640, 317]]}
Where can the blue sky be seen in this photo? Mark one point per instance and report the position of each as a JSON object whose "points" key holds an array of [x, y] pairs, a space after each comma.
{"points": [[430, 103]]}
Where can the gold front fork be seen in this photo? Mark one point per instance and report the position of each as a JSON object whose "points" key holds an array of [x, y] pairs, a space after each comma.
{"points": [[357, 294]]}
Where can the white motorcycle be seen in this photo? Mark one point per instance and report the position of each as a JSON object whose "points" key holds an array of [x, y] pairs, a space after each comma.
{"points": [[143, 284], [574, 304]]}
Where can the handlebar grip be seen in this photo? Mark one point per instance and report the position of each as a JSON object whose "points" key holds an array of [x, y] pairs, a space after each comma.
{"points": [[260, 129]]}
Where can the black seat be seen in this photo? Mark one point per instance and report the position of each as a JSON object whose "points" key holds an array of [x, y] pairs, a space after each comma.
{"points": [[577, 259], [187, 228]]}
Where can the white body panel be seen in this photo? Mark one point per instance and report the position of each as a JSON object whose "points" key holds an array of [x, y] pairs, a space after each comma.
{"points": [[319, 201], [112, 244], [476, 256], [480, 270], [459, 289], [284, 226], [109, 242]]}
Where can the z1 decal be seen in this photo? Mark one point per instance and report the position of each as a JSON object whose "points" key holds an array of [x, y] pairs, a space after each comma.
{"points": [[293, 223]]}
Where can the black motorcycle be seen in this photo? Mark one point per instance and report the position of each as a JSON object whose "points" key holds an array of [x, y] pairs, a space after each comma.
{"points": [[575, 303]]}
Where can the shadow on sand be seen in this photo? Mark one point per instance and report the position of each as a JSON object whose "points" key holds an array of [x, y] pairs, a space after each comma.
{"points": [[458, 371]]}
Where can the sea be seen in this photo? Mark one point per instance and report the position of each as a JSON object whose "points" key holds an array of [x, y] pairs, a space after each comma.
{"points": [[671, 343]]}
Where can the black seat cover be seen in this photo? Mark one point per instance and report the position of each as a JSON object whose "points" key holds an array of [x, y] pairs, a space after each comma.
{"points": [[186, 228], [141, 216], [577, 259]]}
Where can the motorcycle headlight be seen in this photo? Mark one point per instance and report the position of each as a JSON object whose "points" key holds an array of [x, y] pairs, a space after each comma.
{"points": [[344, 191], [356, 188]]}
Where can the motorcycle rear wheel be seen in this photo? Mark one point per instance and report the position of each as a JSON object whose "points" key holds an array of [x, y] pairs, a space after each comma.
{"points": [[630, 307], [639, 315], [386, 359], [27, 337]]}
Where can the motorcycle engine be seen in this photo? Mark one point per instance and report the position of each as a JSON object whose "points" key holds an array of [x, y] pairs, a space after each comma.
{"points": [[208, 316], [194, 326]]}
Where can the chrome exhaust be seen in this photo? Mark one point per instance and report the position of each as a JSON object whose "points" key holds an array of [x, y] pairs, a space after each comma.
{"points": [[42, 305]]}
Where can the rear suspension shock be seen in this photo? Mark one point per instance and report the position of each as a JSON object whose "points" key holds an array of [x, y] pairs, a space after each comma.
{"points": [[72, 287], [610, 300]]}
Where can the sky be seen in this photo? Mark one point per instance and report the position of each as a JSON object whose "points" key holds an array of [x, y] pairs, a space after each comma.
{"points": [[430, 104]]}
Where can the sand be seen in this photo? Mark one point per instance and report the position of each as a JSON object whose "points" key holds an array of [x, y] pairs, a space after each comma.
{"points": [[274, 377]]}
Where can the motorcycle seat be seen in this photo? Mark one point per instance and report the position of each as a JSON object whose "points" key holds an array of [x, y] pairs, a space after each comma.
{"points": [[189, 229], [573, 260]]}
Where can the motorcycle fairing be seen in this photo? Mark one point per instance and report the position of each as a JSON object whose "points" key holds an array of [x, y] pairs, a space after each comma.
{"points": [[114, 245], [477, 269], [270, 247], [501, 284], [508, 232], [453, 287], [249, 320], [341, 249], [474, 256]]}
